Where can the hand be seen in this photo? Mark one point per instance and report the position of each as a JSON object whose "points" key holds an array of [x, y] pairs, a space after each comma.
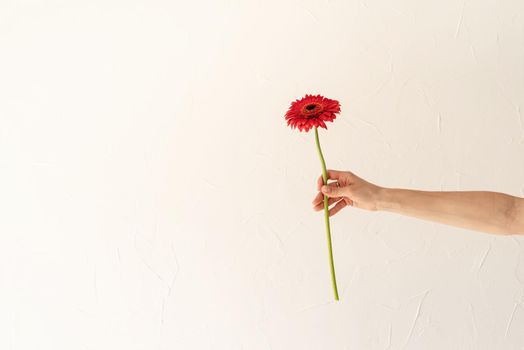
{"points": [[352, 191]]}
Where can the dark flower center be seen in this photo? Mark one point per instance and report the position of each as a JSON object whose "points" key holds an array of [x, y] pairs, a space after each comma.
{"points": [[312, 110]]}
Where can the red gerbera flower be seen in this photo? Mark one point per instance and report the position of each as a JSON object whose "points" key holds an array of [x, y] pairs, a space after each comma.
{"points": [[312, 111]]}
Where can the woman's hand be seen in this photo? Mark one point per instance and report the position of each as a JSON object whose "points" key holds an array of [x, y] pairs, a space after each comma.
{"points": [[351, 190]]}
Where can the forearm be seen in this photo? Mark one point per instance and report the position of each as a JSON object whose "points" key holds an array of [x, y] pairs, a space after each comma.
{"points": [[484, 211]]}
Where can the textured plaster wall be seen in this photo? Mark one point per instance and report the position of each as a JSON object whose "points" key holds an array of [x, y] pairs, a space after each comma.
{"points": [[151, 196]]}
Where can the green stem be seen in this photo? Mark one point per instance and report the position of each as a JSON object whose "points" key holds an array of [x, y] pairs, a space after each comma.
{"points": [[326, 216]]}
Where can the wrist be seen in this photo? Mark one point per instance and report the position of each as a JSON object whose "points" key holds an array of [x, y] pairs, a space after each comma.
{"points": [[386, 199]]}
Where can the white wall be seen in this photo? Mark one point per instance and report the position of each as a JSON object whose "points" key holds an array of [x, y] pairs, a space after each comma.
{"points": [[152, 196]]}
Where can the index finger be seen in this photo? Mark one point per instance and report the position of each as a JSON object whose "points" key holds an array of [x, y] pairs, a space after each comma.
{"points": [[331, 175]]}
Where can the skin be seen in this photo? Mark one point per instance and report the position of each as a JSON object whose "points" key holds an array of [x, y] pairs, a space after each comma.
{"points": [[484, 211]]}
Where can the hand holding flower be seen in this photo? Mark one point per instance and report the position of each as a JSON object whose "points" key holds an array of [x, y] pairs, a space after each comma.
{"points": [[347, 190]]}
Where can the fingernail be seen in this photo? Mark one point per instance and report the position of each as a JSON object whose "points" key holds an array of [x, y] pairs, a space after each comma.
{"points": [[326, 189]]}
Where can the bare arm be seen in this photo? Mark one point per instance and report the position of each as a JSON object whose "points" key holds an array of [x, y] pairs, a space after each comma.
{"points": [[485, 211]]}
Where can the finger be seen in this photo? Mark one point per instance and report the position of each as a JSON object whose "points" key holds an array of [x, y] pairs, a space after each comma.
{"points": [[320, 182], [332, 190], [318, 198], [320, 205], [338, 207], [334, 174]]}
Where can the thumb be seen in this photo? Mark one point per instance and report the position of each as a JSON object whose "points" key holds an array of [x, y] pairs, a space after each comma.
{"points": [[332, 190]]}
